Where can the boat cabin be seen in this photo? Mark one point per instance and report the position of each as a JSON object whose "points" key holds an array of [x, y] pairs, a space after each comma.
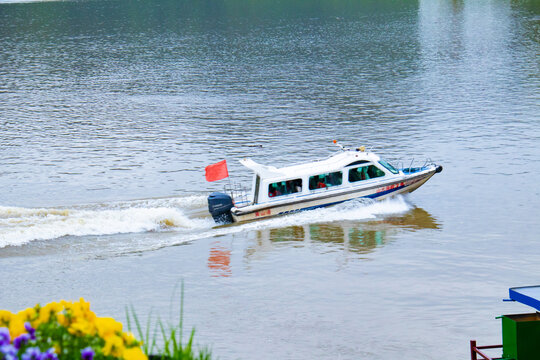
{"points": [[343, 170]]}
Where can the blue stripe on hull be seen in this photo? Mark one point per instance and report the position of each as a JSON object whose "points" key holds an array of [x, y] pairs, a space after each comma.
{"points": [[372, 196], [382, 193]]}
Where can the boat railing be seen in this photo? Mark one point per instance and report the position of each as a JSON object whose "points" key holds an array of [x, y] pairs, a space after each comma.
{"points": [[428, 162], [411, 166], [238, 193]]}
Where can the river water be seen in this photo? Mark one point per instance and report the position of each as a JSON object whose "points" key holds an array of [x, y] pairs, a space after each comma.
{"points": [[110, 110]]}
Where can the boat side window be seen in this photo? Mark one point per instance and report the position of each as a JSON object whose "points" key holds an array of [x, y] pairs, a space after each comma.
{"points": [[364, 173], [285, 187], [387, 165], [325, 180]]}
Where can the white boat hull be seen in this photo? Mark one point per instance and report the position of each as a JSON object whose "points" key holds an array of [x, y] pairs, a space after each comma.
{"points": [[376, 190]]}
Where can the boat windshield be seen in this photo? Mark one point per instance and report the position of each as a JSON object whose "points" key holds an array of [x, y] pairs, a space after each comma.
{"points": [[390, 168]]}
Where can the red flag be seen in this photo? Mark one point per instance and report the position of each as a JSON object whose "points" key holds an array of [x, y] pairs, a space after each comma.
{"points": [[217, 171]]}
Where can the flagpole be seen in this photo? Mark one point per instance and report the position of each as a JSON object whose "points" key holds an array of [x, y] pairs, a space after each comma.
{"points": [[230, 185]]}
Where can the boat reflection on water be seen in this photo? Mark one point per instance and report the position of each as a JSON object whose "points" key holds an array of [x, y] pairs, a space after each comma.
{"points": [[360, 237], [219, 260]]}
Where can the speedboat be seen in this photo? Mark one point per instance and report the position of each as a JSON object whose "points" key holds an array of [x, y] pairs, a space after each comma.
{"points": [[346, 175]]}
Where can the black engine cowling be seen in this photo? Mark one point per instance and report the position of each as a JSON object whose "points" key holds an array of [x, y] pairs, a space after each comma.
{"points": [[219, 206]]}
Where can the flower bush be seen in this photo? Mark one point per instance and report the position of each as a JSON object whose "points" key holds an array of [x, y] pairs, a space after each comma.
{"points": [[67, 331]]}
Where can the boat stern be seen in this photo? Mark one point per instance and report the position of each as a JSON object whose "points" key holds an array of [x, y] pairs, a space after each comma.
{"points": [[219, 206]]}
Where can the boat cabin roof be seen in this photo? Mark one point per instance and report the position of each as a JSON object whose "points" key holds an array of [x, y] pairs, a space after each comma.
{"points": [[333, 163]]}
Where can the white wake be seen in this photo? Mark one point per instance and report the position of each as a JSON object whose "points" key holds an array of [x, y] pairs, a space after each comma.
{"points": [[19, 226]]}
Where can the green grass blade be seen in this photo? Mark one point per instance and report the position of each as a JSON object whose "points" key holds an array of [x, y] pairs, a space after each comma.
{"points": [[181, 321]]}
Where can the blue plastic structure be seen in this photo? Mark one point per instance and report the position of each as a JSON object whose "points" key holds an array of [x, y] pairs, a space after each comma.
{"points": [[528, 295]]}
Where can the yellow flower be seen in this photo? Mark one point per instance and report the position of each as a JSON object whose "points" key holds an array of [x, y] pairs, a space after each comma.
{"points": [[78, 320], [85, 305], [27, 314], [62, 320], [45, 313], [82, 327], [16, 327], [76, 311], [134, 353], [114, 346], [5, 317], [107, 326], [129, 339], [83, 310]]}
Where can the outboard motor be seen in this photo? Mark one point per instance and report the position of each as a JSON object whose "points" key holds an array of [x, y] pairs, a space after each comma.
{"points": [[219, 205]]}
